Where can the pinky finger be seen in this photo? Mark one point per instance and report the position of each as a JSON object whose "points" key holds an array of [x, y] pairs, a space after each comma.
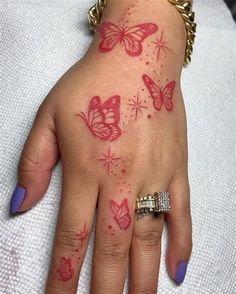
{"points": [[179, 229]]}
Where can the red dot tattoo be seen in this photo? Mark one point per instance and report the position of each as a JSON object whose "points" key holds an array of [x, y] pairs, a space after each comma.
{"points": [[103, 119], [129, 37], [121, 213]]}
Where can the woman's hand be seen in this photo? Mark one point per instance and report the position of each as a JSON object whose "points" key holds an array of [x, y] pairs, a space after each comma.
{"points": [[117, 121]]}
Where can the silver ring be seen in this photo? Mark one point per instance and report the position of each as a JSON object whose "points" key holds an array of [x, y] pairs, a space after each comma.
{"points": [[153, 203]]}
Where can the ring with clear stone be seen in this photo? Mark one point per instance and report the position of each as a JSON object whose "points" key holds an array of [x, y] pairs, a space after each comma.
{"points": [[153, 203]]}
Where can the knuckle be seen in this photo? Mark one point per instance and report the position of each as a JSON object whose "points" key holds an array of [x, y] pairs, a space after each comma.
{"points": [[28, 163], [87, 160], [87, 163], [159, 156], [66, 239], [61, 288], [148, 239], [113, 253], [141, 289]]}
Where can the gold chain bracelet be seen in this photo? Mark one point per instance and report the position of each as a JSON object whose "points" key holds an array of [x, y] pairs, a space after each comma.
{"points": [[182, 6]]}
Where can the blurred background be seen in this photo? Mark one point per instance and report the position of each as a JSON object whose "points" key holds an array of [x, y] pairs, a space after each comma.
{"points": [[232, 6]]}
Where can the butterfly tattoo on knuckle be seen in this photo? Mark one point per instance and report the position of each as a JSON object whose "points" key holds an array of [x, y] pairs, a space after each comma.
{"points": [[160, 95], [103, 119], [131, 38], [121, 213]]}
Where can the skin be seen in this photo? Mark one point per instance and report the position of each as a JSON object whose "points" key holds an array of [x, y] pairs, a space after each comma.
{"points": [[159, 137]]}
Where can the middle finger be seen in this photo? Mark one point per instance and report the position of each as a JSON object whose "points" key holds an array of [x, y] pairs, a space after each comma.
{"points": [[112, 241]]}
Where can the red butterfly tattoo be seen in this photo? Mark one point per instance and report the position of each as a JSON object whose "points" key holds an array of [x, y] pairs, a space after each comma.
{"points": [[129, 37], [121, 213], [103, 119], [65, 271], [160, 95]]}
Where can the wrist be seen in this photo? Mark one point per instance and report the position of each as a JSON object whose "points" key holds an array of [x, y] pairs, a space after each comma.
{"points": [[160, 12], [122, 16]]}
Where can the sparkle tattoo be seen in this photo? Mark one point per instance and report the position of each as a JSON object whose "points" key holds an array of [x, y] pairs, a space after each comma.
{"points": [[161, 46], [121, 213], [103, 119], [83, 235], [109, 159], [130, 38], [65, 272], [160, 95], [137, 106]]}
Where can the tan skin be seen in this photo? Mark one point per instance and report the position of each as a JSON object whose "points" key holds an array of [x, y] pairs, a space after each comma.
{"points": [[154, 153]]}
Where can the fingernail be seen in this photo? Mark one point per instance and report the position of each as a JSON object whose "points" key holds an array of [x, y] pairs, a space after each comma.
{"points": [[180, 272], [17, 199]]}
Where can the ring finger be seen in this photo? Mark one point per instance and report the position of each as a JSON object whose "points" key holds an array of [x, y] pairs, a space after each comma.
{"points": [[145, 253]]}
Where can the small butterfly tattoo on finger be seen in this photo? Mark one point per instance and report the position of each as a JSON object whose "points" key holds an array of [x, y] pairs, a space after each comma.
{"points": [[121, 213], [65, 271]]}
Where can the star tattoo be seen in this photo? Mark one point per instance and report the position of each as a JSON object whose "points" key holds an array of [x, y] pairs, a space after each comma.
{"points": [[109, 159], [161, 46], [82, 235], [137, 106]]}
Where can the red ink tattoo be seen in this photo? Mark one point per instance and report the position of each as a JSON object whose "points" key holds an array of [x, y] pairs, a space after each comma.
{"points": [[121, 213], [160, 46], [129, 37], [65, 271], [160, 95], [109, 160], [110, 230], [83, 235], [137, 106], [103, 119]]}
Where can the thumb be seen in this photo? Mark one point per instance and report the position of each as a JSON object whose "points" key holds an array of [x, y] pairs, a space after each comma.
{"points": [[39, 156]]}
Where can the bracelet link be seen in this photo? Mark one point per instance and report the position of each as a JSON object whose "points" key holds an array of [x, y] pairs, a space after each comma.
{"points": [[183, 7], [95, 14]]}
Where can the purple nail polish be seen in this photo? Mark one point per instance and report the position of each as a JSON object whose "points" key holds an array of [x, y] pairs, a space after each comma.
{"points": [[180, 272], [17, 199]]}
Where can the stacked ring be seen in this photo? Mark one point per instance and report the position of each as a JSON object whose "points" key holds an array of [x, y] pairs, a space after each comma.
{"points": [[153, 203]]}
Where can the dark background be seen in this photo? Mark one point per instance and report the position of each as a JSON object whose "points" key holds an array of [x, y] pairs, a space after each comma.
{"points": [[232, 6]]}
